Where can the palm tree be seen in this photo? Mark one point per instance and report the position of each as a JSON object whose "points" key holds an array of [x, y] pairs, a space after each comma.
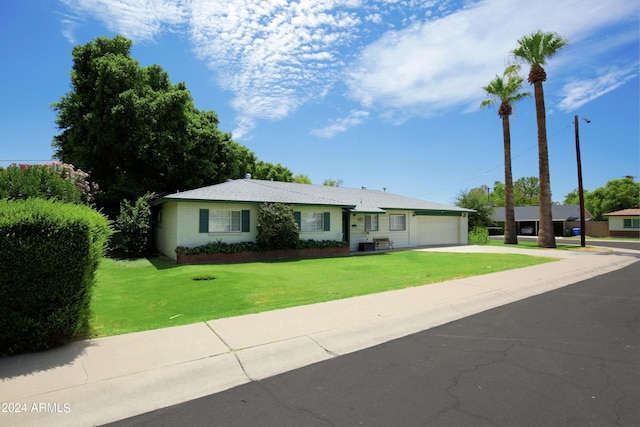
{"points": [[506, 89], [535, 49]]}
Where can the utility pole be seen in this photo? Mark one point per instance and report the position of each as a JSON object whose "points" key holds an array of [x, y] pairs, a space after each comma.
{"points": [[580, 192]]}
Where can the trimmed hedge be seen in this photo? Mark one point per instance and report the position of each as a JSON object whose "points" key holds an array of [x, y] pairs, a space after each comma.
{"points": [[218, 247], [495, 231], [49, 253], [233, 248]]}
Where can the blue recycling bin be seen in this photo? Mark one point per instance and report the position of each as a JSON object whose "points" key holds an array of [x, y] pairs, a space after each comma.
{"points": [[576, 231]]}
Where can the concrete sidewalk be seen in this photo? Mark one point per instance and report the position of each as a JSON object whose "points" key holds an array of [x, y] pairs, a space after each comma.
{"points": [[102, 380]]}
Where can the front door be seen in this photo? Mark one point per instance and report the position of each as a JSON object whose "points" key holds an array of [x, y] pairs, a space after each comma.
{"points": [[345, 225]]}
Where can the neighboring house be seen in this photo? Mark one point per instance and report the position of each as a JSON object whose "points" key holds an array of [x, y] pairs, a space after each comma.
{"points": [[228, 212], [624, 223], [528, 218]]}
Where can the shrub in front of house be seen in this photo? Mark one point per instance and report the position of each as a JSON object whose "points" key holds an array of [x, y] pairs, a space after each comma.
{"points": [[479, 236], [220, 247], [49, 253], [277, 227], [132, 225], [320, 244]]}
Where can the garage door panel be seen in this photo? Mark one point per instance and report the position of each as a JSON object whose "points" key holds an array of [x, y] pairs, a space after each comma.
{"points": [[433, 230]]}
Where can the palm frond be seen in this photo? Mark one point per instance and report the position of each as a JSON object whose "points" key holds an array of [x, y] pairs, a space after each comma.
{"points": [[539, 46], [505, 88]]}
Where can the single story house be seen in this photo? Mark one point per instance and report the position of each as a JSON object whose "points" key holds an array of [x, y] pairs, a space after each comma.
{"points": [[624, 223], [228, 212], [528, 218]]}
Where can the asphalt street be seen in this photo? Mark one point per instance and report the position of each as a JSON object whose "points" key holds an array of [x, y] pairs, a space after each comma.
{"points": [[570, 357]]}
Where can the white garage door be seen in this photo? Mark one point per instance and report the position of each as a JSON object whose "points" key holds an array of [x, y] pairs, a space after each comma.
{"points": [[438, 230]]}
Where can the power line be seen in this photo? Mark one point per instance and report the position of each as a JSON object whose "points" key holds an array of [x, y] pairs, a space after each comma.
{"points": [[27, 160], [493, 168]]}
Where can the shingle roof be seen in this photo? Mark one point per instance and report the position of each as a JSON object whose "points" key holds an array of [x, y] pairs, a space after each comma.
{"points": [[358, 200], [532, 213], [624, 212]]}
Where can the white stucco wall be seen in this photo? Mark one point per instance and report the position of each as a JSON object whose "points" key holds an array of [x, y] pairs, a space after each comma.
{"points": [[335, 231], [400, 238], [616, 223], [180, 225], [420, 230], [166, 229], [181, 220]]}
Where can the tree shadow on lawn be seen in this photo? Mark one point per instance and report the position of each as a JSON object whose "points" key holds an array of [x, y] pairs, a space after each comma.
{"points": [[161, 262]]}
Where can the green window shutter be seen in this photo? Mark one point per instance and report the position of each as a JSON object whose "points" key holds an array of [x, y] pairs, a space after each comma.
{"points": [[327, 221], [298, 217], [245, 221], [204, 220]]}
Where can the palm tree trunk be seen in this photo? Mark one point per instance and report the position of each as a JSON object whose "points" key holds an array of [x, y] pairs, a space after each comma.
{"points": [[510, 232], [546, 235]]}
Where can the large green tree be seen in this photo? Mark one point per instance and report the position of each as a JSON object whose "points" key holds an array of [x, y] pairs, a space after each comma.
{"points": [[535, 49], [330, 182], [506, 89], [302, 179], [616, 195], [526, 191], [136, 132], [478, 200], [269, 171], [497, 195], [573, 198]]}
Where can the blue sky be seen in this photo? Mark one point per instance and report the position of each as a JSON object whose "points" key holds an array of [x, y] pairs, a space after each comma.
{"points": [[378, 93]]}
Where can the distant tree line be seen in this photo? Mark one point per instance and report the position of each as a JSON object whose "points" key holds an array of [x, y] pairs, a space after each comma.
{"points": [[615, 195]]}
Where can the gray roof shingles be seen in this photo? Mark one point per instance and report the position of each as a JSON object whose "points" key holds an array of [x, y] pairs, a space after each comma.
{"points": [[359, 200]]}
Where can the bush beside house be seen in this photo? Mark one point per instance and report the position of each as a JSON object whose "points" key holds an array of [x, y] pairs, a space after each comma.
{"points": [[221, 252], [277, 227], [49, 254], [132, 226]]}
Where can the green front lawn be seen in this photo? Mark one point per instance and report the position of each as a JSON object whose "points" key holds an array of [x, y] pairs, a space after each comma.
{"points": [[144, 294]]}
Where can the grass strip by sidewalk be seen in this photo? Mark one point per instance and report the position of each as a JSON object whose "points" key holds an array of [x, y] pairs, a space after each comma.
{"points": [[533, 244], [530, 244], [145, 294]]}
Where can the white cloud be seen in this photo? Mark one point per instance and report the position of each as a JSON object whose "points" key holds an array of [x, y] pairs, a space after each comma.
{"points": [[276, 55], [135, 19], [576, 93], [354, 118], [69, 25], [441, 63], [273, 55]]}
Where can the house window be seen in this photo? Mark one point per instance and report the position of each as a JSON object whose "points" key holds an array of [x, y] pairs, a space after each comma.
{"points": [[371, 222], [312, 221], [397, 222], [631, 222], [225, 222]]}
